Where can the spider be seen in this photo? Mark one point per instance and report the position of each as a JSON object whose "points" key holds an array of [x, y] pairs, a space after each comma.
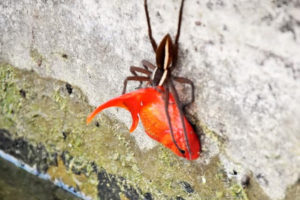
{"points": [[161, 74]]}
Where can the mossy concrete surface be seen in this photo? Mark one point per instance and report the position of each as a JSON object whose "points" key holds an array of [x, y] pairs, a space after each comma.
{"points": [[43, 123], [243, 57]]}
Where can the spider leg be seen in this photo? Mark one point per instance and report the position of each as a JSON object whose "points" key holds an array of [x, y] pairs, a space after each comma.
{"points": [[147, 64], [134, 71], [187, 81], [179, 23], [179, 106], [134, 78], [154, 45], [169, 119], [174, 62]]}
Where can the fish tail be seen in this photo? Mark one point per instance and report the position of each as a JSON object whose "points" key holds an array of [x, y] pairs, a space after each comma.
{"points": [[112, 103], [130, 101]]}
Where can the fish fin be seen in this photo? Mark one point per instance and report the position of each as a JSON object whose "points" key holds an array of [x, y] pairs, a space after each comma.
{"points": [[130, 101], [116, 102]]}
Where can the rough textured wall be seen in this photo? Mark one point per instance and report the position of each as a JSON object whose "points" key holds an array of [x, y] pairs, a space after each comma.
{"points": [[243, 57]]}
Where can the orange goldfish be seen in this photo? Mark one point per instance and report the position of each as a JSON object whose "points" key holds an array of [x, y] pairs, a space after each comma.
{"points": [[149, 105]]}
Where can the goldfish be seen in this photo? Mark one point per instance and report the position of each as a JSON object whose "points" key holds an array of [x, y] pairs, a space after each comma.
{"points": [[148, 104]]}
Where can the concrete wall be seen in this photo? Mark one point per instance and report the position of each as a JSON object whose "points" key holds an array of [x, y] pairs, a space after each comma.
{"points": [[243, 57]]}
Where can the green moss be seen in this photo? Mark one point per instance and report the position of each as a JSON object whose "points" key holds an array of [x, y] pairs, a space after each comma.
{"points": [[9, 96], [238, 192], [56, 119]]}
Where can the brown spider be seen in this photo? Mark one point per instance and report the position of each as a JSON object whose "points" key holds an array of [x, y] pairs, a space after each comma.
{"points": [[161, 74]]}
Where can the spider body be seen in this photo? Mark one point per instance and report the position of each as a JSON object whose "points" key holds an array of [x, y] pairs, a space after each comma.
{"points": [[161, 75]]}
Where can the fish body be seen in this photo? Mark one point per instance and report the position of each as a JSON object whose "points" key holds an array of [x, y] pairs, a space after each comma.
{"points": [[149, 105]]}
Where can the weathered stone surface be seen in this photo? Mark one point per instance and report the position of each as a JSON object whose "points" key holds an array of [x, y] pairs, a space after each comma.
{"points": [[243, 57]]}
